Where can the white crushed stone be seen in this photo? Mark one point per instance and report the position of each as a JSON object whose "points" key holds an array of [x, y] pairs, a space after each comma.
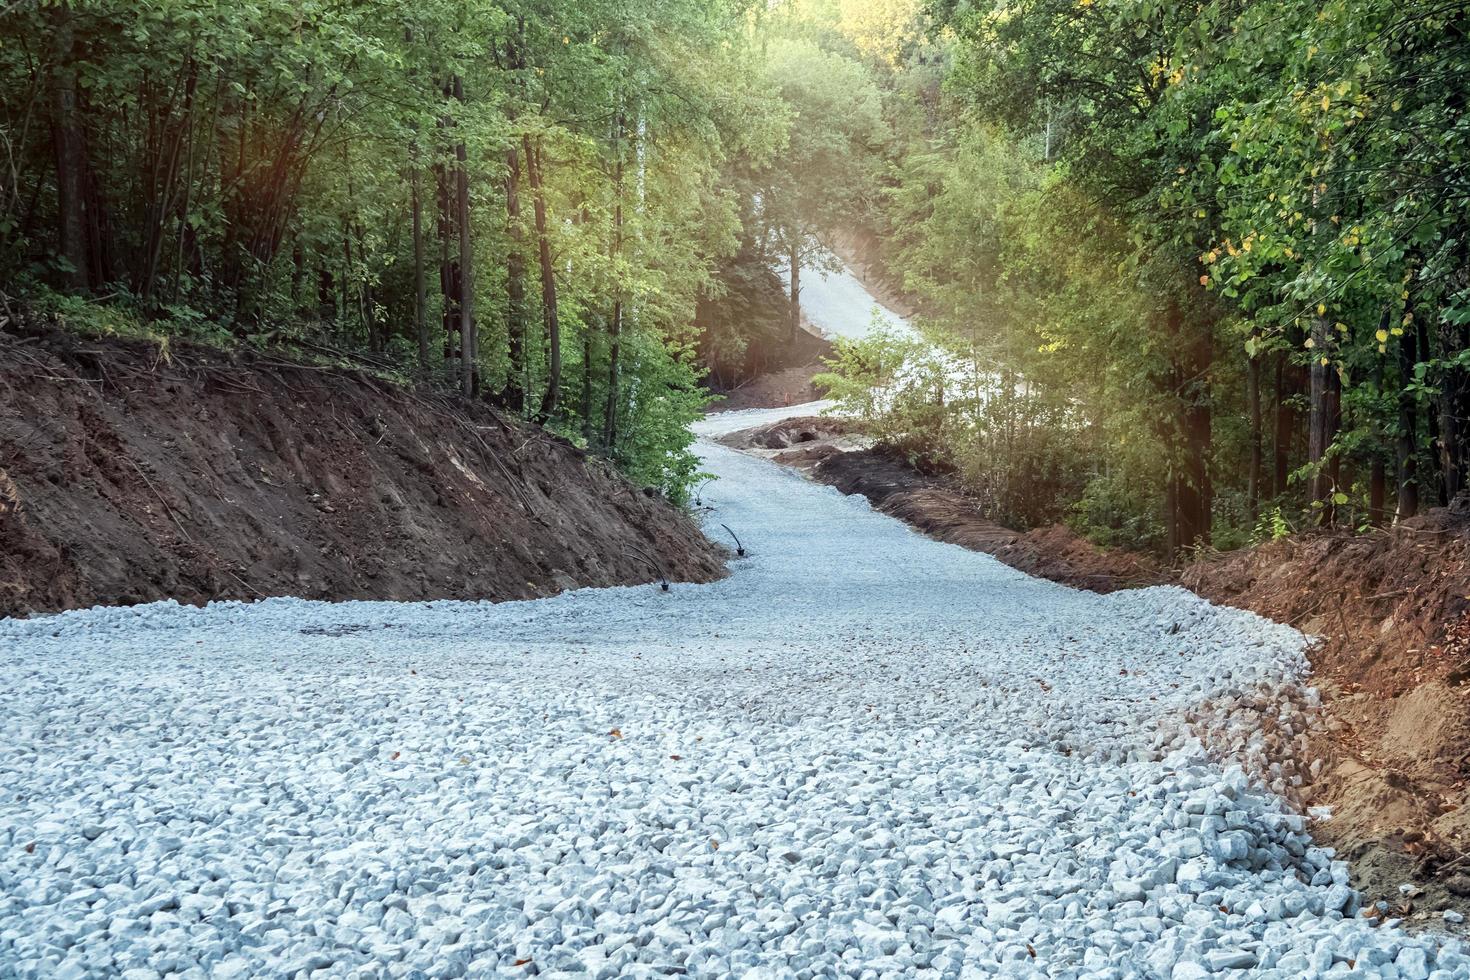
{"points": [[836, 303], [864, 753]]}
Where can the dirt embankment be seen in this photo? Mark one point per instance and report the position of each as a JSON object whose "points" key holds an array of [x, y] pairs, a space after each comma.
{"points": [[1390, 609], [127, 477]]}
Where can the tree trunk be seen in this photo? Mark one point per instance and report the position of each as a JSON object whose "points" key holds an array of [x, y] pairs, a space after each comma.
{"points": [[614, 352], [1452, 399], [1171, 514], [1281, 440], [1407, 444], [588, 429], [515, 267], [448, 226], [1378, 467], [1319, 436], [794, 259], [1253, 400], [615, 322], [326, 294], [70, 153], [1335, 481], [420, 285], [468, 347], [1194, 493], [550, 322]]}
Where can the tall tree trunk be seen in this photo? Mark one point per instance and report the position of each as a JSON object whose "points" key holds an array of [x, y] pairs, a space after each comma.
{"points": [[420, 284], [1452, 404], [162, 186], [1172, 540], [550, 321], [326, 294], [1281, 441], [1319, 437], [615, 322], [1407, 445], [448, 228], [588, 428], [1449, 439], [794, 259], [1335, 481], [70, 152], [1194, 494], [515, 267], [468, 347], [1377, 492], [1378, 471], [1253, 400]]}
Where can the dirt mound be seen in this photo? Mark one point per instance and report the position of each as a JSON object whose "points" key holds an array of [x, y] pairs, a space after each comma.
{"points": [[792, 386], [129, 477], [802, 429], [1391, 609]]}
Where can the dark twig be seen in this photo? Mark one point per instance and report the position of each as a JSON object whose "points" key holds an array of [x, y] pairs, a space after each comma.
{"points": [[658, 569], [739, 548], [699, 491]]}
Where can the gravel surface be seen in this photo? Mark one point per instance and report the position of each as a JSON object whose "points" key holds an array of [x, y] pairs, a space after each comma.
{"points": [[863, 753], [837, 304]]}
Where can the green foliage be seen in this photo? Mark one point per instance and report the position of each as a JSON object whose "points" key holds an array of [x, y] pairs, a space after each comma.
{"points": [[249, 174], [1141, 207], [1272, 526], [1109, 514]]}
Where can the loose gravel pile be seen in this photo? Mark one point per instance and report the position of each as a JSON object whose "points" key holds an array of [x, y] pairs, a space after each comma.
{"points": [[864, 753]]}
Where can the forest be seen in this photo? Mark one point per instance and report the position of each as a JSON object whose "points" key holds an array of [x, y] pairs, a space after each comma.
{"points": [[1206, 264], [536, 203], [1209, 259]]}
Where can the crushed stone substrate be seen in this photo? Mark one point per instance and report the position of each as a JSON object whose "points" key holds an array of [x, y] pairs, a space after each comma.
{"points": [[864, 753]]}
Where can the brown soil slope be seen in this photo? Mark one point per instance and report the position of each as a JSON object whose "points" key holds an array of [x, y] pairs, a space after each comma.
{"points": [[126, 477], [1391, 609]]}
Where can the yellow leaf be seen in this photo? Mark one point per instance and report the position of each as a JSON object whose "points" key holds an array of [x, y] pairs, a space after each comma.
{"points": [[1326, 103], [1311, 342], [1321, 309]]}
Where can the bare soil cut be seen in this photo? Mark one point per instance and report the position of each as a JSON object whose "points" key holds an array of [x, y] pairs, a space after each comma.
{"points": [[127, 477]]}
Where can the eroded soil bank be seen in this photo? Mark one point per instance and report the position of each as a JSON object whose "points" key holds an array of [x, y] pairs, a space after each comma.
{"points": [[1391, 610], [130, 476]]}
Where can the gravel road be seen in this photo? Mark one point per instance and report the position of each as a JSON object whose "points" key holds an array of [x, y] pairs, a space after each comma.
{"points": [[863, 753]]}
